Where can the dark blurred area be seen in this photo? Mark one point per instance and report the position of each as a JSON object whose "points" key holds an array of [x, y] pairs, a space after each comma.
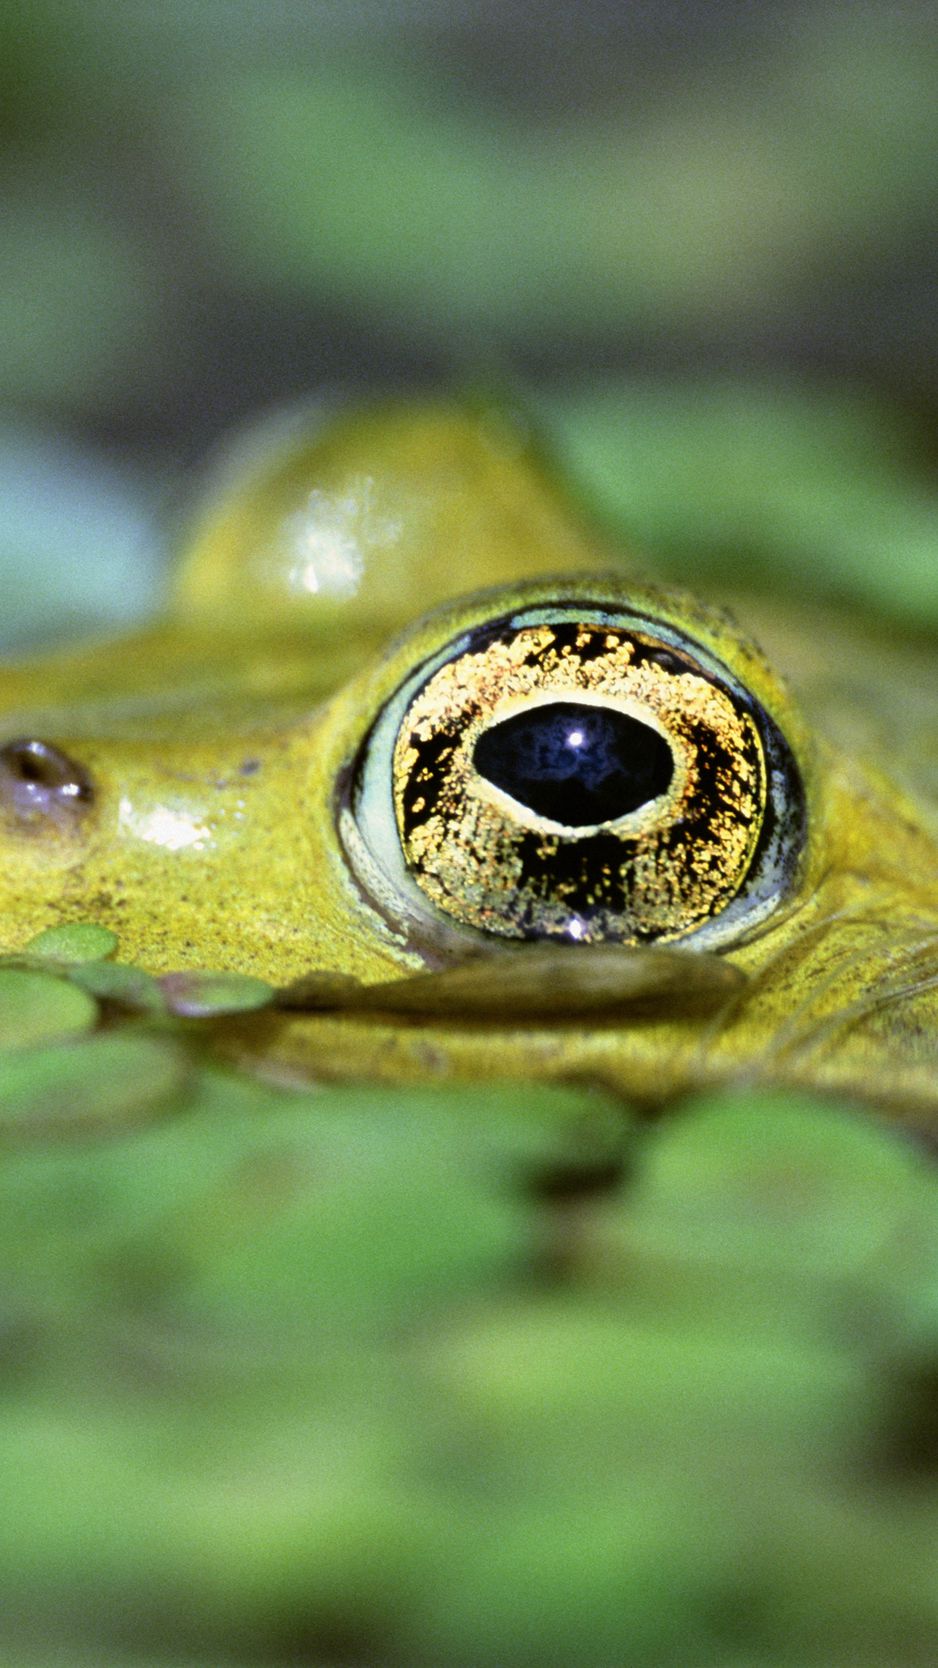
{"points": [[209, 208]]}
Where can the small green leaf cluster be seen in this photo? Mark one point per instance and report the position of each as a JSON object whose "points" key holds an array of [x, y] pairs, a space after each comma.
{"points": [[89, 1045], [492, 1377]]}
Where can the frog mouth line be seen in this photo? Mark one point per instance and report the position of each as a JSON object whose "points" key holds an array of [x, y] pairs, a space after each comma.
{"points": [[545, 981]]}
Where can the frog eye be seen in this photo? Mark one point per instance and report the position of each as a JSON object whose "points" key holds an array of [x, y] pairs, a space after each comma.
{"points": [[579, 773]]}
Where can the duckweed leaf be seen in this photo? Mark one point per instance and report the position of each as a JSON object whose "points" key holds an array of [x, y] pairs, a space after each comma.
{"points": [[124, 987], [37, 1007], [854, 1195], [327, 1218], [106, 1082], [775, 1216], [209, 995], [76, 941]]}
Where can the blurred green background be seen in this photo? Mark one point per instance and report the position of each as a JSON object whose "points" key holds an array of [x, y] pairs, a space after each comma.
{"points": [[700, 237], [498, 1379], [487, 1377]]}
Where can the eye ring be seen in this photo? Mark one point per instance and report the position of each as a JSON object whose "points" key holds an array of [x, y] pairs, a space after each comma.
{"points": [[701, 846]]}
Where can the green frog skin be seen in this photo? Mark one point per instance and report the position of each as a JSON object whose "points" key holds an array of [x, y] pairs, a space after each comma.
{"points": [[254, 783]]}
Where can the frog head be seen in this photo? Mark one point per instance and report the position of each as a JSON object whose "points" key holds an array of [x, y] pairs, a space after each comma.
{"points": [[411, 743]]}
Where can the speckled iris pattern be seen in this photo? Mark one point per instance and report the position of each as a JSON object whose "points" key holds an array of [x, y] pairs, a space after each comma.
{"points": [[646, 830]]}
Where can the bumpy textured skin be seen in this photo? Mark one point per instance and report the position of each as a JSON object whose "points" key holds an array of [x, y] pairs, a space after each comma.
{"points": [[220, 744]]}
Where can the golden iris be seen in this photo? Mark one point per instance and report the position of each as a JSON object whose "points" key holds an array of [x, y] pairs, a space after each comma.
{"points": [[592, 778]]}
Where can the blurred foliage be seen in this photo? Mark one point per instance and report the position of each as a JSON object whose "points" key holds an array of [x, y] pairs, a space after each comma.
{"points": [[490, 1376], [207, 205], [722, 198], [211, 207], [811, 493]]}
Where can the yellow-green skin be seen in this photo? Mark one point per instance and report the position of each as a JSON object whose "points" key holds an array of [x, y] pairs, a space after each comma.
{"points": [[218, 740]]}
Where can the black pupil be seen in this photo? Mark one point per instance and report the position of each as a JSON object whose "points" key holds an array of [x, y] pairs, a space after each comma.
{"points": [[575, 764]]}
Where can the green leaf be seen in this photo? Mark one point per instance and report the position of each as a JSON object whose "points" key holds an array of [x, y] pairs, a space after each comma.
{"points": [[102, 1084], [209, 995], [37, 1007], [780, 1182], [705, 208], [125, 987], [77, 941]]}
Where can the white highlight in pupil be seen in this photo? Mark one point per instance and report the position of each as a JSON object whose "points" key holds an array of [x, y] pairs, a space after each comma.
{"points": [[575, 738]]}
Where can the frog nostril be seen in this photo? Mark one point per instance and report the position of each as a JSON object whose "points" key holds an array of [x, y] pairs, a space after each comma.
{"points": [[39, 780]]}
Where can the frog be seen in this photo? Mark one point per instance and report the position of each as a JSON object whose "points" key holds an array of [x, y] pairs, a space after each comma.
{"points": [[415, 741]]}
